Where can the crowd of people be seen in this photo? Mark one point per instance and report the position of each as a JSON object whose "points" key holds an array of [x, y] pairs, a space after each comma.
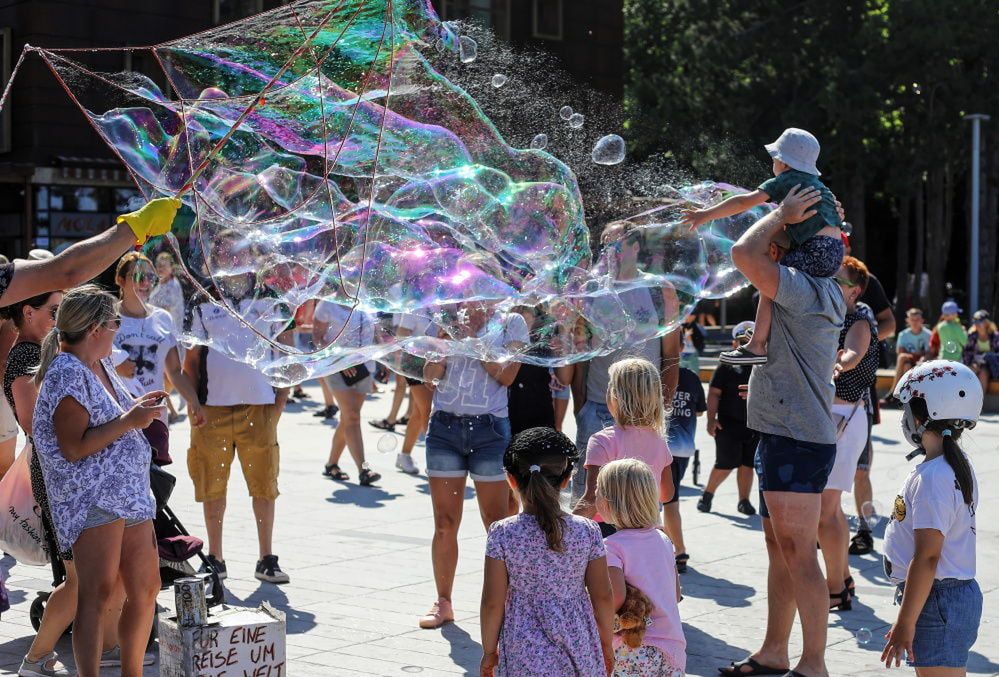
{"points": [[585, 548]]}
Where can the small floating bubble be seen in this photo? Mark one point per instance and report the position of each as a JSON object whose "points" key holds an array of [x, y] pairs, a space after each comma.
{"points": [[565, 112], [539, 142], [499, 80], [387, 443], [864, 636], [609, 150], [468, 49], [576, 120]]}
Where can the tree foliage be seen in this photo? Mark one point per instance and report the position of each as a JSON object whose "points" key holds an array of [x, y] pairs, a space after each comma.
{"points": [[883, 84]]}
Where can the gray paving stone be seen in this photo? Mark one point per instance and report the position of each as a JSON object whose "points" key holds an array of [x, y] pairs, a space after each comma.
{"points": [[360, 565]]}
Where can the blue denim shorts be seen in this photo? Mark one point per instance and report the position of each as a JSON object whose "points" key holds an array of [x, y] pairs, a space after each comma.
{"points": [[592, 418], [467, 445], [820, 256], [98, 517], [785, 464], [947, 627]]}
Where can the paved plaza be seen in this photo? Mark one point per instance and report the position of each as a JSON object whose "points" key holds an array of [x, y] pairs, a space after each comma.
{"points": [[359, 560]]}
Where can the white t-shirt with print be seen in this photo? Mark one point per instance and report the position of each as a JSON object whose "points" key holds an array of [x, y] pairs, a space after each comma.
{"points": [[931, 499], [230, 382], [349, 329], [466, 389], [147, 340]]}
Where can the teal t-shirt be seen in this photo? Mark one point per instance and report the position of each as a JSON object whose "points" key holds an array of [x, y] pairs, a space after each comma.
{"points": [[777, 189]]}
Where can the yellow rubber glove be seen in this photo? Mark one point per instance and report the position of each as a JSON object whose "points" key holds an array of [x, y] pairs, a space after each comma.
{"points": [[155, 218]]}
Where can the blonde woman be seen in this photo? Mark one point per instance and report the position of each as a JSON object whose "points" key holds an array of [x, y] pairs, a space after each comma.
{"points": [[95, 462], [634, 398]]}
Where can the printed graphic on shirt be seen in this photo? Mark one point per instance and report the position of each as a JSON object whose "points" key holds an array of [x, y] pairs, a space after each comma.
{"points": [[899, 513]]}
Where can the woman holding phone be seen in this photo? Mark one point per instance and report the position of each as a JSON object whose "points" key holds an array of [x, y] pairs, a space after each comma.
{"points": [[95, 462]]}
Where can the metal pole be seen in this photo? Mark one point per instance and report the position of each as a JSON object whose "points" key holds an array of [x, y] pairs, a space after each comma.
{"points": [[976, 208]]}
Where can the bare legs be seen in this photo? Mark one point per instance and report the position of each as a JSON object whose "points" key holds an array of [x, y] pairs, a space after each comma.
{"points": [[348, 433], [834, 536], [101, 555], [397, 398], [674, 526], [420, 399], [761, 332], [561, 407], [743, 477]]}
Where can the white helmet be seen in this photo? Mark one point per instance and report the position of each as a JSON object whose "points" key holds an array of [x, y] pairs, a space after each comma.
{"points": [[952, 392]]}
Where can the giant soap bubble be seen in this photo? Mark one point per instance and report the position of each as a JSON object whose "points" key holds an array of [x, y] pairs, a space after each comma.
{"points": [[321, 157]]}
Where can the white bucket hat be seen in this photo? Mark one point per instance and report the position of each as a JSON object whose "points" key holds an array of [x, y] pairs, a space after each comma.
{"points": [[797, 149]]}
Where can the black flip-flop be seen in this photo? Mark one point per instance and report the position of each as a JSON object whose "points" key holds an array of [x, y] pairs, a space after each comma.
{"points": [[756, 668], [681, 563]]}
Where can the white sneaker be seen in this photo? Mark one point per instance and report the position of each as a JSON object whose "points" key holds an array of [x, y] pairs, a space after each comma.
{"points": [[47, 666], [112, 658], [404, 462]]}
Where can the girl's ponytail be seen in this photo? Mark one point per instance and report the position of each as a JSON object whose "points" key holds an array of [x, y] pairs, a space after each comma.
{"points": [[540, 461], [959, 464], [543, 498]]}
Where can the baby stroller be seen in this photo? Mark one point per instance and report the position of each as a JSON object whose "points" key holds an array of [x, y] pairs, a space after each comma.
{"points": [[176, 547]]}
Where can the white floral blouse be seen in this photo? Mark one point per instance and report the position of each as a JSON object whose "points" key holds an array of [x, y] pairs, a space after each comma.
{"points": [[115, 479]]}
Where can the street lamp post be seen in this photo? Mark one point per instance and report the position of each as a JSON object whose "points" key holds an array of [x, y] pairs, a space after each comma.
{"points": [[976, 208]]}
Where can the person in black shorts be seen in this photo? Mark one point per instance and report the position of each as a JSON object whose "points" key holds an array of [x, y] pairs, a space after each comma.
{"points": [[735, 444], [688, 404]]}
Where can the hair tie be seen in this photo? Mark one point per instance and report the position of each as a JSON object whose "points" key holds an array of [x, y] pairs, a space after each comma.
{"points": [[947, 432], [534, 468]]}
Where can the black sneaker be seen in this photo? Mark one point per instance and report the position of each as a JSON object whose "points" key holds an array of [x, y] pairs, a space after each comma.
{"points": [[742, 355], [862, 543], [746, 508], [704, 505], [219, 568], [269, 571]]}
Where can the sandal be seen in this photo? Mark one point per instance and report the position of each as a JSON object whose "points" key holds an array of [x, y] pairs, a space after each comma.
{"points": [[755, 668], [844, 603], [403, 421], [383, 424], [367, 477], [334, 473], [851, 586], [681, 563]]}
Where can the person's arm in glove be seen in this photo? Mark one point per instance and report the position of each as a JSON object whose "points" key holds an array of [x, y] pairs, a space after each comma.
{"points": [[87, 259]]}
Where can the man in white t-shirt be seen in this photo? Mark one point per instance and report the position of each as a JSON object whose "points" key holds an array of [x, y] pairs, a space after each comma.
{"points": [[241, 411]]}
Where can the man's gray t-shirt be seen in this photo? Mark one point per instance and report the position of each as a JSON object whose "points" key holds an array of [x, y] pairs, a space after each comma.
{"points": [[791, 395], [641, 308]]}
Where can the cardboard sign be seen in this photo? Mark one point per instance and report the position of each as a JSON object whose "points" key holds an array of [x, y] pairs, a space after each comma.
{"points": [[236, 642]]}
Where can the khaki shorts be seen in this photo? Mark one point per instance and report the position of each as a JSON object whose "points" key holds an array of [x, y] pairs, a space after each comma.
{"points": [[249, 430]]}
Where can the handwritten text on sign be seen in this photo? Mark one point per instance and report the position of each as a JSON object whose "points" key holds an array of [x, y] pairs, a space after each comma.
{"points": [[239, 652]]}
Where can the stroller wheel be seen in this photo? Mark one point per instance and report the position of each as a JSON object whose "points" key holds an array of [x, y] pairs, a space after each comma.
{"points": [[38, 610]]}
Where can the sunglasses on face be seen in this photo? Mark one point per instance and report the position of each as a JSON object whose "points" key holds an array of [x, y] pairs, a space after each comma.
{"points": [[145, 277], [845, 282]]}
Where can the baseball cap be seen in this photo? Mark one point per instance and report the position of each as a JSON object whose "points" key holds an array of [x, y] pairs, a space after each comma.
{"points": [[743, 329], [980, 315], [950, 308], [797, 149]]}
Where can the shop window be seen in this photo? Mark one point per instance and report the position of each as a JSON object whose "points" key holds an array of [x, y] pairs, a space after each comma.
{"points": [[548, 19]]}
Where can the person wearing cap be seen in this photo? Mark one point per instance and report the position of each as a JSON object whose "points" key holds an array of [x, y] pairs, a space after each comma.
{"points": [[949, 336], [981, 350], [790, 406], [816, 243], [87, 259], [735, 444]]}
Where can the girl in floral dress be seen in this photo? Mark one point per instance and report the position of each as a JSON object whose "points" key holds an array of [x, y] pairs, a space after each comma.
{"points": [[546, 598], [640, 555]]}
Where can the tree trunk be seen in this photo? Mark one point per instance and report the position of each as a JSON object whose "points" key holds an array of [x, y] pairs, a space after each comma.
{"points": [[903, 290], [919, 263], [937, 237], [853, 205], [990, 226]]}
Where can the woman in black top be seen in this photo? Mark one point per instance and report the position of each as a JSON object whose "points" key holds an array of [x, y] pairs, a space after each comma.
{"points": [[531, 404], [855, 371]]}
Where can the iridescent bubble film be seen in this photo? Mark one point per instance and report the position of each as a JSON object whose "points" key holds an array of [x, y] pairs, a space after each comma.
{"points": [[327, 168]]}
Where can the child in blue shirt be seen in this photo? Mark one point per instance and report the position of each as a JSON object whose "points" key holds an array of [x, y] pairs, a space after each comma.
{"points": [[816, 243]]}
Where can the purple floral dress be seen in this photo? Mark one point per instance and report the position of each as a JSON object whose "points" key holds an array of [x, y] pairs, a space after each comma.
{"points": [[548, 625], [115, 479]]}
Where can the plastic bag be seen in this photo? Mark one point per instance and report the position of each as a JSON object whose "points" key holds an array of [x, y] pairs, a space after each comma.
{"points": [[21, 532]]}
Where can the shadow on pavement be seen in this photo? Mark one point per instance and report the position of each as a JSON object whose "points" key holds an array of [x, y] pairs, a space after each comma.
{"points": [[708, 651], [752, 523], [721, 590], [363, 497], [465, 651], [298, 621]]}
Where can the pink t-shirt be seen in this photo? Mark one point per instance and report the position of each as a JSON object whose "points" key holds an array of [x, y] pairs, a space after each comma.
{"points": [[646, 557], [615, 443]]}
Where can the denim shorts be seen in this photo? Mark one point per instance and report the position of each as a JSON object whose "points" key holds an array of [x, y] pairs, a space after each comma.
{"points": [[98, 517], [819, 256], [947, 626], [467, 445], [592, 418], [785, 464]]}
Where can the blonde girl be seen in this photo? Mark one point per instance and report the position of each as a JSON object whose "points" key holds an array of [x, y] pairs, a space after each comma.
{"points": [[635, 400], [641, 556]]}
